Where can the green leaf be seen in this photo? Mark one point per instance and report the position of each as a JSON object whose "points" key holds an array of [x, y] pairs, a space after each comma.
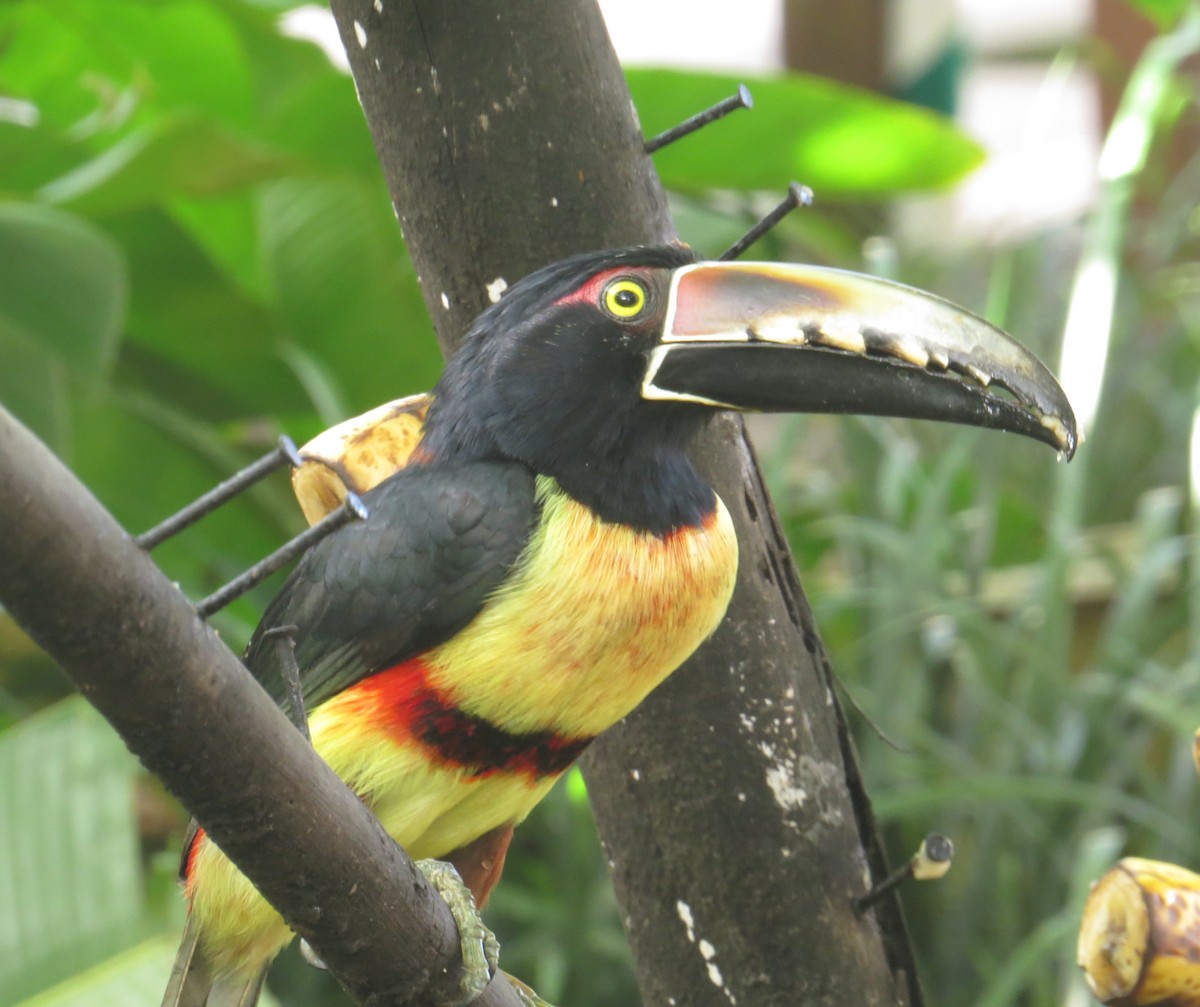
{"points": [[131, 979], [77, 56], [1164, 13], [34, 388], [134, 978], [62, 288], [179, 155], [70, 877], [345, 287], [192, 336], [839, 140]]}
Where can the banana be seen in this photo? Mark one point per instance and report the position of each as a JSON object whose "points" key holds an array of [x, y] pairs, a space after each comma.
{"points": [[1139, 940]]}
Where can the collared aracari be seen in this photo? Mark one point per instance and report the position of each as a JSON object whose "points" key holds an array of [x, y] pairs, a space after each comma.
{"points": [[549, 554]]}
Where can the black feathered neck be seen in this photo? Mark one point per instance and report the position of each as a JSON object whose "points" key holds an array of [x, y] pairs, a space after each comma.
{"points": [[555, 383]]}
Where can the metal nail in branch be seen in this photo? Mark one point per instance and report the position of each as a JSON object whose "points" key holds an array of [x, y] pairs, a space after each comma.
{"points": [[284, 453], [741, 99], [239, 482], [929, 863], [798, 195], [352, 510]]}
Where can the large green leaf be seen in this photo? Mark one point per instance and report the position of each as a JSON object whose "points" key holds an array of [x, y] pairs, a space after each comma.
{"points": [[62, 288], [1164, 13], [34, 388], [79, 57], [183, 154], [192, 337], [134, 978], [70, 877], [345, 287], [840, 140]]}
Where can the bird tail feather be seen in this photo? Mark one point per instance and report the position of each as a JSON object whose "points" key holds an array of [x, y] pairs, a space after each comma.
{"points": [[192, 983]]}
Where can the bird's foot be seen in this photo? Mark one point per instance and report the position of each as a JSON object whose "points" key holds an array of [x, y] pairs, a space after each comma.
{"points": [[480, 950]]}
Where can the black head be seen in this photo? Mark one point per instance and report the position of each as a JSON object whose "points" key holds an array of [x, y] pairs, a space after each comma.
{"points": [[599, 369], [552, 376]]}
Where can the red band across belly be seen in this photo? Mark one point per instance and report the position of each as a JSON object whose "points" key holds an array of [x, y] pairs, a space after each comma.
{"points": [[406, 703]]}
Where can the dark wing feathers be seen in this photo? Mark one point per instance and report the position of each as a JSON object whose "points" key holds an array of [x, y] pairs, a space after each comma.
{"points": [[438, 541]]}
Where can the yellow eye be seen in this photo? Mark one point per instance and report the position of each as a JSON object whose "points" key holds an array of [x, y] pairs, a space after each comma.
{"points": [[625, 298]]}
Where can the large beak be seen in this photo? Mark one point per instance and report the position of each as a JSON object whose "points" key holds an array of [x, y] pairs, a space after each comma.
{"points": [[786, 338]]}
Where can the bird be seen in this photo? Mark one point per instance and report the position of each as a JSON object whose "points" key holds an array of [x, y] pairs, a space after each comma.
{"points": [[548, 553]]}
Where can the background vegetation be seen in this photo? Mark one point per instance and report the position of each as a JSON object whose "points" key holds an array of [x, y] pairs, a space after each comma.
{"points": [[197, 252]]}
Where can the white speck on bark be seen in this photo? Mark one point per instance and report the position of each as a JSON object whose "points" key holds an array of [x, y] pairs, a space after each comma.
{"points": [[360, 33], [685, 914], [707, 951], [445, 300], [378, 5], [635, 774], [788, 795], [483, 121], [554, 201], [782, 779], [496, 288]]}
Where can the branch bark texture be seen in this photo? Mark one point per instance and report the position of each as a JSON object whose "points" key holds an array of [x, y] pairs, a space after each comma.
{"points": [[729, 804], [188, 709]]}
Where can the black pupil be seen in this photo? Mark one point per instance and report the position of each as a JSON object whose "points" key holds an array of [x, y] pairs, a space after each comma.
{"points": [[627, 298]]}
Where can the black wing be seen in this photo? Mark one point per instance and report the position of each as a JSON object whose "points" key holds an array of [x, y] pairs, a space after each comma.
{"points": [[438, 541]]}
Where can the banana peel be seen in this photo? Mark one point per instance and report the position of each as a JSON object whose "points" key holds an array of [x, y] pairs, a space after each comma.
{"points": [[1139, 939], [358, 454]]}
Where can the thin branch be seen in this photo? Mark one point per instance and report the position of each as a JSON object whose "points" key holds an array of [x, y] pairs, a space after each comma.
{"points": [[187, 708]]}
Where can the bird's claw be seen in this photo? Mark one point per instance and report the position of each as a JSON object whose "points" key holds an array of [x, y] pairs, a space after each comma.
{"points": [[311, 956], [480, 949]]}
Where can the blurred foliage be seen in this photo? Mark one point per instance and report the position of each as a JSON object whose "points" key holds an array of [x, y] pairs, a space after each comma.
{"points": [[199, 254], [1164, 13], [1027, 640], [843, 142]]}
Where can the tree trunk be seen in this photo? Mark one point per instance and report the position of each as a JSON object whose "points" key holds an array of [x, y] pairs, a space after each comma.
{"points": [[730, 805]]}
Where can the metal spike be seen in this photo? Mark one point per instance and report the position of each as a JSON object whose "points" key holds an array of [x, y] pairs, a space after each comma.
{"points": [[352, 510], [798, 195], [741, 99], [931, 861], [210, 501]]}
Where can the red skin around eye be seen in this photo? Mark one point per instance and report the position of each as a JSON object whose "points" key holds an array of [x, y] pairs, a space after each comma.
{"points": [[590, 292]]}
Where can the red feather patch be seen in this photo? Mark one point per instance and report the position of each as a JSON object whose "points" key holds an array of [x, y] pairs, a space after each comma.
{"points": [[404, 702]]}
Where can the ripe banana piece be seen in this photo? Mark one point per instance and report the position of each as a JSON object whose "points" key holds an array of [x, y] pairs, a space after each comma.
{"points": [[1139, 940]]}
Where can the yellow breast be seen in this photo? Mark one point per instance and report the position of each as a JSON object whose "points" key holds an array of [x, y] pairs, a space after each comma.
{"points": [[593, 618]]}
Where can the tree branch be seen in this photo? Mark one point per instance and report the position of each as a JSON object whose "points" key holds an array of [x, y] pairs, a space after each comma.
{"points": [[187, 708], [508, 140]]}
